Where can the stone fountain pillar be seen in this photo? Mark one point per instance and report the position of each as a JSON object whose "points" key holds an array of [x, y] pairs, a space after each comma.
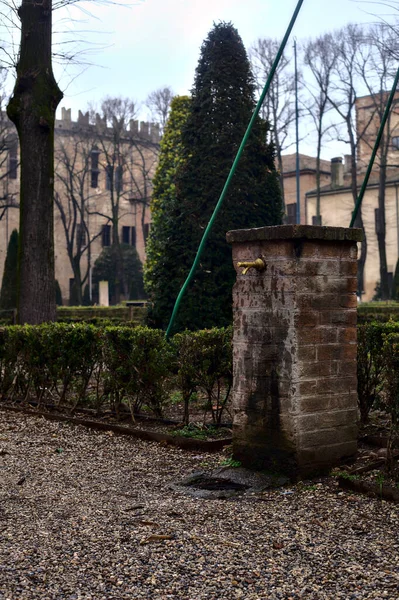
{"points": [[295, 313]]}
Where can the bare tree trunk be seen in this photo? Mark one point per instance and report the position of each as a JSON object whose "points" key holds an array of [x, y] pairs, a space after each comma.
{"points": [[281, 172], [359, 218], [318, 176], [120, 287], [381, 228], [32, 109]]}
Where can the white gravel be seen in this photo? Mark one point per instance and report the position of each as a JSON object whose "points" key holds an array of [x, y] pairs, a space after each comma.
{"points": [[78, 509]]}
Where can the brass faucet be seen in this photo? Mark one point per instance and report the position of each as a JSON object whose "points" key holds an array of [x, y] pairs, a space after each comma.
{"points": [[257, 264]]}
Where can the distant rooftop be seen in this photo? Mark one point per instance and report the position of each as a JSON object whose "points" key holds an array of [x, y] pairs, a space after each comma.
{"points": [[392, 180], [306, 163]]}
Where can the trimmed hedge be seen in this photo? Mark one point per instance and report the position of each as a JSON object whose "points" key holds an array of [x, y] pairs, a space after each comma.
{"points": [[78, 365], [390, 398], [204, 362], [372, 364], [378, 311]]}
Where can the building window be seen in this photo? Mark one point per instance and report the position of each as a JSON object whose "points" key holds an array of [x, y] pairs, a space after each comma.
{"points": [[109, 172], [146, 232], [129, 235], [94, 168], [106, 235], [290, 218], [80, 235], [13, 162], [119, 179], [94, 179], [395, 143], [125, 235], [316, 220]]}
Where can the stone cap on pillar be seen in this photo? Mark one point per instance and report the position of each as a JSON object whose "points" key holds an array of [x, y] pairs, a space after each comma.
{"points": [[303, 232]]}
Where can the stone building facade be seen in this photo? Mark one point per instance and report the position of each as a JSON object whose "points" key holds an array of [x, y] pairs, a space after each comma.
{"points": [[103, 174], [307, 182], [337, 204]]}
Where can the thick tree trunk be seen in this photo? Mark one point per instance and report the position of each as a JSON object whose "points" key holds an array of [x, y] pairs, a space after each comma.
{"points": [[32, 109]]}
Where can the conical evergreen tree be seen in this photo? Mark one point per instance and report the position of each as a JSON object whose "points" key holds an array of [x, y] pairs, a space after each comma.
{"points": [[104, 269], [221, 108], [58, 293], [8, 294], [395, 284], [161, 268]]}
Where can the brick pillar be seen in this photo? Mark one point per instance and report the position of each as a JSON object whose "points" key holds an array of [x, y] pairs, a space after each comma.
{"points": [[295, 387]]}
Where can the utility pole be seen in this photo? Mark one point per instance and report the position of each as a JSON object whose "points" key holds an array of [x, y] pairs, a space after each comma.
{"points": [[298, 191]]}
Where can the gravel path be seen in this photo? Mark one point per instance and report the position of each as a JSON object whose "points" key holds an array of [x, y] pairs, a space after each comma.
{"points": [[80, 511]]}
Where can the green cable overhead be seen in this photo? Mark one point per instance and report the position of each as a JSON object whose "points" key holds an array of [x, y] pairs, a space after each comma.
{"points": [[233, 169]]}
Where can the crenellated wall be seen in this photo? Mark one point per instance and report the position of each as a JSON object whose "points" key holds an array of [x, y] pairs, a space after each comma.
{"points": [[139, 129]]}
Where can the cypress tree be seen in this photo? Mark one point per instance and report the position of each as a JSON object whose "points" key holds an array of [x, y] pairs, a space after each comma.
{"points": [[221, 108], [8, 294]]}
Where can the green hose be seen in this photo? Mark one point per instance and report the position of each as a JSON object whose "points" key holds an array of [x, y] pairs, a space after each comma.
{"points": [[233, 169]]}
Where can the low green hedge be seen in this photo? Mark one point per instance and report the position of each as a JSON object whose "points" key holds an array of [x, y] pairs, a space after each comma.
{"points": [[79, 365], [372, 364], [383, 312]]}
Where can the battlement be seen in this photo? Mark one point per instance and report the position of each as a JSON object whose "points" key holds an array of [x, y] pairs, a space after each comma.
{"points": [[139, 129]]}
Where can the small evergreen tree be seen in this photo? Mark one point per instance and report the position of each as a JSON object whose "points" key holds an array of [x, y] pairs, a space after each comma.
{"points": [[86, 296], [395, 283], [221, 108], [8, 294], [104, 270], [58, 294]]}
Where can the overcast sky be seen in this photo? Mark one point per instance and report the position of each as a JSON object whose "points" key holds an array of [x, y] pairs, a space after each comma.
{"points": [[153, 43]]}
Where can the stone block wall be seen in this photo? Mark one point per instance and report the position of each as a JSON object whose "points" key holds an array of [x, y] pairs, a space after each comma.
{"points": [[295, 387]]}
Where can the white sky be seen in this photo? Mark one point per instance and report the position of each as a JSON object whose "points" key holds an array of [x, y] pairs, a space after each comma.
{"points": [[153, 43]]}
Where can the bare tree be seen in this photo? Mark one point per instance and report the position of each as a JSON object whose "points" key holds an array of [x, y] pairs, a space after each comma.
{"points": [[32, 109], [8, 155], [279, 105], [72, 200], [320, 57], [143, 160], [377, 65], [128, 158], [158, 102], [343, 93]]}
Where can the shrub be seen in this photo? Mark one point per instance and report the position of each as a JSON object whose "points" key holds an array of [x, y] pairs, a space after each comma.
{"points": [[188, 359], [390, 399], [215, 375], [370, 363], [204, 361], [378, 311], [137, 363]]}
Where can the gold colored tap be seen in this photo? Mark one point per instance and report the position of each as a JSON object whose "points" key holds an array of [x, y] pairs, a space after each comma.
{"points": [[257, 264]]}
